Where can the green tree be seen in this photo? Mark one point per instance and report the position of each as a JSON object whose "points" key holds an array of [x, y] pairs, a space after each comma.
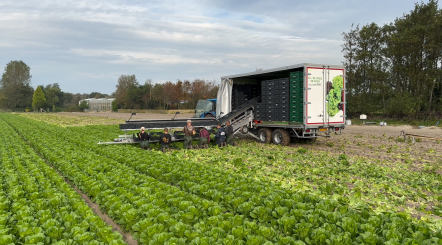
{"points": [[157, 96], [125, 83], [68, 99], [96, 95], [15, 88], [147, 94], [397, 68], [415, 52], [54, 95], [83, 105], [114, 105], [38, 100]]}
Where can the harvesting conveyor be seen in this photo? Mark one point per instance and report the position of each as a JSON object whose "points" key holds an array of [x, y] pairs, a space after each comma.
{"points": [[303, 101], [239, 117]]}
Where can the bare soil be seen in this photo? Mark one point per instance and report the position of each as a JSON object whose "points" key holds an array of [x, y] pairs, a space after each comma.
{"points": [[383, 143], [128, 238]]}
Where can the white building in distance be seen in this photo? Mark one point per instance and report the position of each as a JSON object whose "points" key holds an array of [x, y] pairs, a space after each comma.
{"points": [[98, 105]]}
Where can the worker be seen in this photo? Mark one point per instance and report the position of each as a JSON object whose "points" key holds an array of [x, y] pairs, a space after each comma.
{"points": [[165, 140], [220, 137], [144, 138], [189, 132], [229, 134], [204, 138]]}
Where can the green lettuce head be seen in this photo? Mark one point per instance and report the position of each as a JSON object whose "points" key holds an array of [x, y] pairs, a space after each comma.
{"points": [[334, 96]]}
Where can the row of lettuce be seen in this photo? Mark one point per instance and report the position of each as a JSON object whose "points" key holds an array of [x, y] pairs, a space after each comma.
{"points": [[381, 186], [37, 206], [163, 198], [157, 213]]}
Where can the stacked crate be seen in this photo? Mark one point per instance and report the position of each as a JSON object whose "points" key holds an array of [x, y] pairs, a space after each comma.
{"points": [[275, 99], [296, 96], [242, 93], [260, 111]]}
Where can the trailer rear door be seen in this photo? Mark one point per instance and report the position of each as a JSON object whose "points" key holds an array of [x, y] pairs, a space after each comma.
{"points": [[324, 96]]}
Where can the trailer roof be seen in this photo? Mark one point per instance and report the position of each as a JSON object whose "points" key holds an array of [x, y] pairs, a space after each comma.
{"points": [[283, 68]]}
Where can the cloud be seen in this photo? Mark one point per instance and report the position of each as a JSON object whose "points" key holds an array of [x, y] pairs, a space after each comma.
{"points": [[86, 45]]}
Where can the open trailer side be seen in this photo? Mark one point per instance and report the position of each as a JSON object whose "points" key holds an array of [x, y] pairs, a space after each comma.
{"points": [[299, 101]]}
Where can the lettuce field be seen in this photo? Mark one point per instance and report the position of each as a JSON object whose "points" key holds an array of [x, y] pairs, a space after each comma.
{"points": [[250, 194]]}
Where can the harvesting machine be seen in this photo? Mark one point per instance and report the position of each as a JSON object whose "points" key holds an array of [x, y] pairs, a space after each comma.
{"points": [[304, 101]]}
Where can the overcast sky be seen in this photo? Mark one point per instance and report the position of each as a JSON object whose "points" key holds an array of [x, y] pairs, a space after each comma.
{"points": [[86, 45]]}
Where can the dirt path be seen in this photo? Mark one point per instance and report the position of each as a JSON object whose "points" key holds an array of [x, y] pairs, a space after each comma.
{"points": [[127, 237], [383, 143]]}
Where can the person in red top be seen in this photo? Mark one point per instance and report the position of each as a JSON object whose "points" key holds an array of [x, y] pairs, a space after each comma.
{"points": [[204, 138]]}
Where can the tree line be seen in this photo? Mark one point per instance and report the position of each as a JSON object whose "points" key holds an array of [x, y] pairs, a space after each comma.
{"points": [[395, 70], [185, 94], [17, 94]]}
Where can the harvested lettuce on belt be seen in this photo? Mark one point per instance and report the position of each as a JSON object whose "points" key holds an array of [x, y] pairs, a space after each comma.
{"points": [[334, 96]]}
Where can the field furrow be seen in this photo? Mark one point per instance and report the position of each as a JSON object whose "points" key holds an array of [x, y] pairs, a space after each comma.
{"points": [[267, 211], [39, 207]]}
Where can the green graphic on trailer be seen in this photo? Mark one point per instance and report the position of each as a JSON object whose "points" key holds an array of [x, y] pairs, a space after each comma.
{"points": [[325, 95], [334, 95]]}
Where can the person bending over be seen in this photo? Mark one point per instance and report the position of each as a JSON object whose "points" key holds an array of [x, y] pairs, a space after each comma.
{"points": [[165, 140], [204, 138], [144, 138], [220, 137]]}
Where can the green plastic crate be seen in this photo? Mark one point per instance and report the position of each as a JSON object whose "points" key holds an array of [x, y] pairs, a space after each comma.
{"points": [[296, 90], [297, 102], [296, 97], [296, 111], [296, 80], [296, 85], [296, 119], [296, 77]]}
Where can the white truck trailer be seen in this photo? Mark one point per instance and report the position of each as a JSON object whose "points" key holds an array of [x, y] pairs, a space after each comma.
{"points": [[299, 101]]}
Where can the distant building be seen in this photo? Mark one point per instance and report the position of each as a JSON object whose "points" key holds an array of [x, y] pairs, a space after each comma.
{"points": [[97, 105]]}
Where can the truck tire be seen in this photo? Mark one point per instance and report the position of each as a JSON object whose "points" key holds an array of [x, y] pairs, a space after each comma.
{"points": [[244, 129], [265, 135], [281, 137]]}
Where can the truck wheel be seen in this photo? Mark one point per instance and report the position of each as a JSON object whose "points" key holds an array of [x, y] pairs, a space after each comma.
{"points": [[281, 137], [244, 129], [265, 135]]}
